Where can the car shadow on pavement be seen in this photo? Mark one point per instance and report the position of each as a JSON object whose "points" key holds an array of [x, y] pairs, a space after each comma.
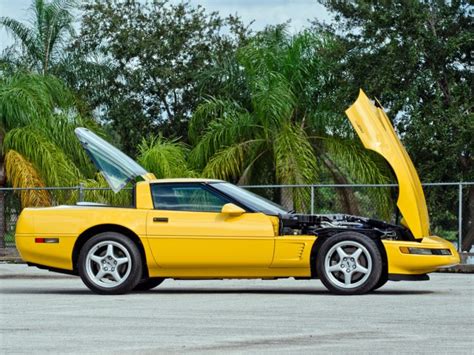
{"points": [[282, 291], [174, 291]]}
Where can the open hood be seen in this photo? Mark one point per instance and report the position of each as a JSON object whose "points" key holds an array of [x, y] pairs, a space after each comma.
{"points": [[116, 167], [376, 132]]}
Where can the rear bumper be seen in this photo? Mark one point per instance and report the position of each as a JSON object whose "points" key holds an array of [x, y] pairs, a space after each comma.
{"points": [[404, 263], [57, 255]]}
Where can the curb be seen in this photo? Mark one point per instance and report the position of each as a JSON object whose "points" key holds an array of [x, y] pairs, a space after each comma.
{"points": [[11, 260]]}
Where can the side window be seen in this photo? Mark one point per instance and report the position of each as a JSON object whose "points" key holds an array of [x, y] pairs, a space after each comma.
{"points": [[186, 197]]}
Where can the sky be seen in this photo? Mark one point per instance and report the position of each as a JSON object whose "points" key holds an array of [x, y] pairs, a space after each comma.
{"points": [[262, 12]]}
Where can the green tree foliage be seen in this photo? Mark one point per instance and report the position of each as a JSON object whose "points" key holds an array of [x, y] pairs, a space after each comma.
{"points": [[417, 57], [165, 158], [153, 54], [41, 45], [282, 129], [37, 125], [39, 147]]}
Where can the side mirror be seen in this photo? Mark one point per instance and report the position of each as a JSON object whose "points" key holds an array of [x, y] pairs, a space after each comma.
{"points": [[232, 210]]}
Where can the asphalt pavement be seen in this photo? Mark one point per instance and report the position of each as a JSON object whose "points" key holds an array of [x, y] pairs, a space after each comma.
{"points": [[42, 312]]}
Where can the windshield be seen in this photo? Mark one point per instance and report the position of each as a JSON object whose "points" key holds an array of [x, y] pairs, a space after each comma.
{"points": [[116, 167], [250, 199]]}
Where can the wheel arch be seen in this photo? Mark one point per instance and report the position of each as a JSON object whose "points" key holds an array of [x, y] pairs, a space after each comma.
{"points": [[101, 228], [320, 240]]}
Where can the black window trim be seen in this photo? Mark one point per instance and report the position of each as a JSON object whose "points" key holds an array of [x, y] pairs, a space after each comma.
{"points": [[206, 186]]}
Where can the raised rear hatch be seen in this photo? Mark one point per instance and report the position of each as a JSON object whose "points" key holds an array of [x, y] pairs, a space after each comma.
{"points": [[376, 132], [116, 167]]}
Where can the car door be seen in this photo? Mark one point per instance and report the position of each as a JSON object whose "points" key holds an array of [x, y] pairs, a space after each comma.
{"points": [[187, 230]]}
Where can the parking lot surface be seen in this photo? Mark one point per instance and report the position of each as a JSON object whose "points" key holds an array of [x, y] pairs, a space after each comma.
{"points": [[42, 312]]}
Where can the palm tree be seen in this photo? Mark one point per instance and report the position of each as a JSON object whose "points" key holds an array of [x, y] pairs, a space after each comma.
{"points": [[43, 42], [37, 136], [27, 102], [165, 158], [282, 132]]}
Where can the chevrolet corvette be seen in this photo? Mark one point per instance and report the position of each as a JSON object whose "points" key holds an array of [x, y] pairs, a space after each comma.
{"points": [[211, 229]]}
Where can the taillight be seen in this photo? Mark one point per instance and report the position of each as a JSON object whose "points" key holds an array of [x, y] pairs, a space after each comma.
{"points": [[46, 240]]}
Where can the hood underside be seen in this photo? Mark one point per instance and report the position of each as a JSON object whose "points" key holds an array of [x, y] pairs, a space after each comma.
{"points": [[376, 132]]}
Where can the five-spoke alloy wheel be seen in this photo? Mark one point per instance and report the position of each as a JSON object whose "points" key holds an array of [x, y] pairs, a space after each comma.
{"points": [[110, 263], [349, 263]]}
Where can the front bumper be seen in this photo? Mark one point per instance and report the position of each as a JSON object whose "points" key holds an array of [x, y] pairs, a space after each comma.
{"points": [[400, 262]]}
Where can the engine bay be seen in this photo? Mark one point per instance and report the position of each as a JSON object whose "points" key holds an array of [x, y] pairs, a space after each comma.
{"points": [[324, 225]]}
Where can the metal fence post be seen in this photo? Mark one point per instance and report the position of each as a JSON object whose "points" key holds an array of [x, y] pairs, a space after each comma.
{"points": [[460, 219], [81, 192], [3, 242], [312, 199]]}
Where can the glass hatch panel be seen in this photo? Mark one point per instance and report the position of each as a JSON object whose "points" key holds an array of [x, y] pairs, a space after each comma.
{"points": [[116, 167]]}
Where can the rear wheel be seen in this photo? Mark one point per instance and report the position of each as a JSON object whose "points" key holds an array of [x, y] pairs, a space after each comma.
{"points": [[148, 284], [110, 263], [349, 263]]}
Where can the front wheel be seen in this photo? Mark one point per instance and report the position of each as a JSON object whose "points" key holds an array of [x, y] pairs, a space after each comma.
{"points": [[349, 263], [110, 264]]}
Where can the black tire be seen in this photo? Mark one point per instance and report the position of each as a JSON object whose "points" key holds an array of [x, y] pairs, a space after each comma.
{"points": [[110, 264], [382, 281], [353, 271], [148, 284]]}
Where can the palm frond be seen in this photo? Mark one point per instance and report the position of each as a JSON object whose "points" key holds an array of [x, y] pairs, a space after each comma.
{"points": [[272, 99], [222, 133], [54, 20], [211, 109], [22, 174], [59, 128], [358, 163], [361, 166], [295, 162], [166, 159], [229, 163], [54, 167], [23, 34], [26, 98]]}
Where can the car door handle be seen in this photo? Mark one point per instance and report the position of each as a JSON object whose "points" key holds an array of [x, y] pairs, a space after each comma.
{"points": [[160, 219]]}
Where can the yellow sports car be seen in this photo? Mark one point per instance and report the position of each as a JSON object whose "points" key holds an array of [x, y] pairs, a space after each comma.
{"points": [[210, 229]]}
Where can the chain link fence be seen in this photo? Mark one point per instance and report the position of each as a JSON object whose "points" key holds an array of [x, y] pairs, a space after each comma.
{"points": [[447, 203]]}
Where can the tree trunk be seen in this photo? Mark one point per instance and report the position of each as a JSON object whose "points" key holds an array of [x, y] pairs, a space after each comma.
{"points": [[2, 193], [468, 220], [2, 220]]}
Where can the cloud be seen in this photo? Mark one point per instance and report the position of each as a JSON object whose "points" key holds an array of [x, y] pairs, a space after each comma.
{"points": [[262, 12], [269, 12]]}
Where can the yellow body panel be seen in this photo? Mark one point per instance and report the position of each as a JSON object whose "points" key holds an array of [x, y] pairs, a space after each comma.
{"points": [[67, 223], [58, 256], [199, 244], [413, 264], [293, 251], [191, 245], [143, 198], [206, 240], [376, 132]]}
